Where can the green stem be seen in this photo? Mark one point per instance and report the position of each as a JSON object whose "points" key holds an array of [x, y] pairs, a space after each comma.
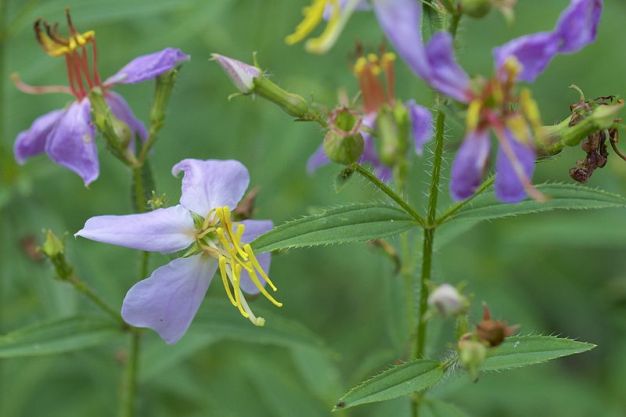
{"points": [[129, 382], [450, 212], [365, 173], [84, 289]]}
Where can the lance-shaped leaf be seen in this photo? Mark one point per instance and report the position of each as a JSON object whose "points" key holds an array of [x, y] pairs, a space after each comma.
{"points": [[353, 223], [560, 197], [521, 351], [395, 382], [58, 336]]}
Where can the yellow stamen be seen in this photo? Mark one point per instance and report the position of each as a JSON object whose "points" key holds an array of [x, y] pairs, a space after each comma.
{"points": [[313, 15], [473, 114], [331, 32], [513, 68], [255, 279], [388, 58], [224, 215], [258, 266], [360, 65], [518, 126], [222, 267], [236, 274], [530, 109], [55, 49]]}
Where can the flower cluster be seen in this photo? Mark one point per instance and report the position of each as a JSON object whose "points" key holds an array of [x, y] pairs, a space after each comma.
{"points": [[68, 135]]}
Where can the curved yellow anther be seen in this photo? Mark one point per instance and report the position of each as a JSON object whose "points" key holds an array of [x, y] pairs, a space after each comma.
{"points": [[236, 276], [222, 268], [313, 15], [473, 114], [258, 266]]}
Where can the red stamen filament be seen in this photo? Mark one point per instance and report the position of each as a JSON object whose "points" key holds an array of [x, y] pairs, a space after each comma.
{"points": [[31, 89]]}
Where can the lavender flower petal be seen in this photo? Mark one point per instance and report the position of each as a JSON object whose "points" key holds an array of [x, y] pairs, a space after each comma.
{"points": [[168, 300], [120, 109], [255, 228], [32, 142], [469, 164], [509, 188], [401, 20], [240, 73], [534, 52], [421, 125], [212, 183], [71, 143], [317, 160], [163, 230], [147, 67], [445, 73], [578, 25]]}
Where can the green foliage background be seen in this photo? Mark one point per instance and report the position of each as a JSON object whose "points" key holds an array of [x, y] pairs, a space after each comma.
{"points": [[556, 273]]}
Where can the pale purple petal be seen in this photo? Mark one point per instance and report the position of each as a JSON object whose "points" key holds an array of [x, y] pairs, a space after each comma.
{"points": [[121, 110], [421, 125], [147, 67], [211, 184], [534, 52], [401, 20], [509, 188], [32, 142], [71, 143], [361, 5], [469, 164], [445, 73], [578, 25], [168, 300], [317, 160], [240, 73], [255, 228], [163, 230]]}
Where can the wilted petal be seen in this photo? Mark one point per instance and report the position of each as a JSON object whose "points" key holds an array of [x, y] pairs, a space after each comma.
{"points": [[445, 74], [401, 20], [121, 110], [32, 142], [240, 73], [163, 230], [469, 164], [147, 67], [255, 228], [578, 25], [168, 300], [317, 160], [509, 187], [212, 183], [71, 143], [533, 52], [421, 125]]}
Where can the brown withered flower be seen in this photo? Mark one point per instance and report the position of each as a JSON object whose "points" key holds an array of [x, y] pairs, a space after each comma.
{"points": [[493, 332]]}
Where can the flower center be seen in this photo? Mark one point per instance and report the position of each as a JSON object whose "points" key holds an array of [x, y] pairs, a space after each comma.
{"points": [[220, 238], [82, 69], [376, 77]]}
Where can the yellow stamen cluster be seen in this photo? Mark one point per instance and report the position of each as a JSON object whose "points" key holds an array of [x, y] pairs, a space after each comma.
{"points": [[220, 238], [313, 16], [56, 45]]}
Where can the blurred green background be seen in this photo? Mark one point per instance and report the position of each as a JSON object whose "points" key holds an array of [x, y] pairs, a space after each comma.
{"points": [[561, 273]]}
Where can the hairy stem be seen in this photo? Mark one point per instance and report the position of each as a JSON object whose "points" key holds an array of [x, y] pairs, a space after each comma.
{"points": [[452, 210], [129, 382], [84, 289], [365, 173]]}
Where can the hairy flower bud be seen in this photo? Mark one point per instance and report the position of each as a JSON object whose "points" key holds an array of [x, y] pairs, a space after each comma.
{"points": [[447, 301], [54, 249], [343, 143], [240, 73], [393, 127], [472, 355], [476, 8]]}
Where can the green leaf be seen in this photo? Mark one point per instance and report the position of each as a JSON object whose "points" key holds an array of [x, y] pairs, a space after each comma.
{"points": [[58, 336], [437, 408], [353, 223], [220, 319], [521, 351], [561, 197], [393, 383]]}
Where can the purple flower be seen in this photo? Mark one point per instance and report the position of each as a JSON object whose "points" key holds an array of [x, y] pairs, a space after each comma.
{"points": [[169, 298], [68, 135], [240, 73], [376, 79], [490, 102]]}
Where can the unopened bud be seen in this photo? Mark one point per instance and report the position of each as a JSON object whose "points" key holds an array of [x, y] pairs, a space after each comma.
{"points": [[240, 73], [472, 355], [476, 8], [343, 143], [393, 130], [447, 300], [54, 249]]}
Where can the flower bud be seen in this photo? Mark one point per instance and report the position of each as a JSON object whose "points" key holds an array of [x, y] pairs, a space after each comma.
{"points": [[54, 249], [447, 301], [343, 143], [476, 8], [472, 355], [393, 129], [240, 73]]}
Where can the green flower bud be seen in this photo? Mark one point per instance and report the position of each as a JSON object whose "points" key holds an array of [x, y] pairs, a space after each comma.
{"points": [[476, 8], [54, 249], [393, 129], [472, 355], [343, 143]]}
